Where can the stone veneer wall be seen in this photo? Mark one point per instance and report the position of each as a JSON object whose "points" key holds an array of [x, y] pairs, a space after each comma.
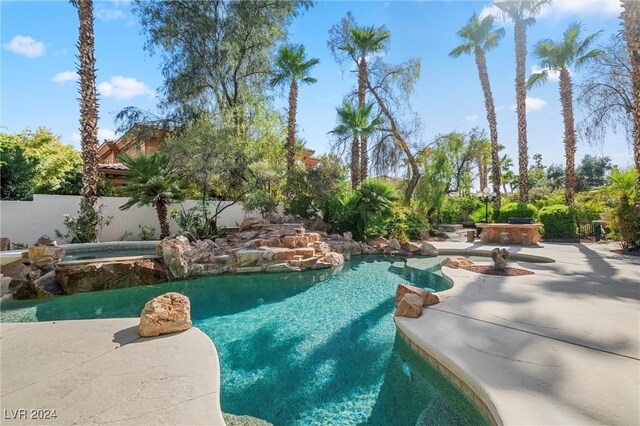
{"points": [[457, 381], [25, 221]]}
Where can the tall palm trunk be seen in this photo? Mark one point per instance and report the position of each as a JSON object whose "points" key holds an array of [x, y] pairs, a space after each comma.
{"points": [[362, 86], [291, 125], [521, 109], [88, 106], [631, 21], [481, 62], [482, 170], [163, 218], [402, 144], [355, 164], [566, 97]]}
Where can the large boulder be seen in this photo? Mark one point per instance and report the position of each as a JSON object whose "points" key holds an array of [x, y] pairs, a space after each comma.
{"points": [[394, 244], [249, 257], [44, 257], [427, 297], [410, 306], [456, 262], [251, 223], [45, 240], [427, 249], [278, 254], [109, 275], [167, 313], [411, 247], [47, 285], [334, 259], [5, 244], [177, 253]]}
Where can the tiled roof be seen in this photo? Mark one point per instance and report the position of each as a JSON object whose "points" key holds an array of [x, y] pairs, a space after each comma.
{"points": [[113, 166]]}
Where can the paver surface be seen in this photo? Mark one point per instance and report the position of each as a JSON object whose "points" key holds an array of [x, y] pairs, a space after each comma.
{"points": [[102, 372], [558, 347]]}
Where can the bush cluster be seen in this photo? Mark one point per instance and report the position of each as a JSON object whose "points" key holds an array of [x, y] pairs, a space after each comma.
{"points": [[559, 221], [516, 210]]}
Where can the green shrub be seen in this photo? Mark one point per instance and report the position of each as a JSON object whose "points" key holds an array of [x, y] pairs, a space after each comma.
{"points": [[516, 210], [406, 224], [85, 229], [450, 211], [147, 232], [480, 214], [559, 221], [368, 209]]}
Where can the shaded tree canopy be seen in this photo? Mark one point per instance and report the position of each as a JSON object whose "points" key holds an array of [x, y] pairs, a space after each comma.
{"points": [[216, 54], [53, 161]]}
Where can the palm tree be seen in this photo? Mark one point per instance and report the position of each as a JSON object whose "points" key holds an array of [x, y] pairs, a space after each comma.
{"points": [[631, 22], [153, 181], [506, 174], [364, 42], [570, 51], [292, 67], [522, 13], [88, 108], [354, 125], [480, 36]]}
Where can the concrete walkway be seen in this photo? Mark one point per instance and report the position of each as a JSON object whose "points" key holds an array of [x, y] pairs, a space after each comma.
{"points": [[558, 347], [102, 372]]}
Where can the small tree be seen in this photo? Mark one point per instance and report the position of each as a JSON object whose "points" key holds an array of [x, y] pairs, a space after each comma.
{"points": [[17, 172], [153, 181]]}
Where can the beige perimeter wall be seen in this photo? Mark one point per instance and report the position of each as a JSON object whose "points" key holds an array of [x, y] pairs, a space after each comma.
{"points": [[25, 221]]}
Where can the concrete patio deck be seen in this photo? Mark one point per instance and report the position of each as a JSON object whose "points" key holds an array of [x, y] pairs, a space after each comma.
{"points": [[558, 347], [102, 372]]}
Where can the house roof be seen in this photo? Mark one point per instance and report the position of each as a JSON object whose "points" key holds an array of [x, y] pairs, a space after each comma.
{"points": [[113, 166]]}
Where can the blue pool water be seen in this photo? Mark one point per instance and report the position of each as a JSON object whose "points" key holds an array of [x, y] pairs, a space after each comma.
{"points": [[300, 348]]}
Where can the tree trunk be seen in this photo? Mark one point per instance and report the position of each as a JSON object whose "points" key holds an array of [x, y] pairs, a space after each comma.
{"points": [[631, 22], [521, 110], [566, 97], [482, 170], [493, 124], [291, 125], [163, 218], [362, 87], [402, 144], [88, 103], [355, 163]]}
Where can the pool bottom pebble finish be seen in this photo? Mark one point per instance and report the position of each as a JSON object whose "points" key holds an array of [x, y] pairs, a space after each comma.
{"points": [[301, 348]]}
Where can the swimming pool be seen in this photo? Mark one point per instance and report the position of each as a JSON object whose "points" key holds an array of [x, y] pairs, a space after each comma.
{"points": [[300, 348]]}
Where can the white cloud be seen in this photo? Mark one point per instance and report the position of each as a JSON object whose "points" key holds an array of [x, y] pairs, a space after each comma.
{"points": [[65, 76], [473, 118], [123, 88], [105, 134], [551, 74], [25, 46], [102, 135], [105, 14], [533, 104], [500, 108], [492, 10], [562, 8]]}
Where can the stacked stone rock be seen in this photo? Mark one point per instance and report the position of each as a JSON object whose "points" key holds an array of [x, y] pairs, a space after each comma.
{"points": [[38, 277], [410, 300]]}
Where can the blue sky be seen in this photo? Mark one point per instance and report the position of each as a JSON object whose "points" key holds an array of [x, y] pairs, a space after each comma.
{"points": [[38, 58]]}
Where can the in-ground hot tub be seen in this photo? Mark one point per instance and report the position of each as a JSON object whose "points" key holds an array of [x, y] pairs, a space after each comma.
{"points": [[108, 250]]}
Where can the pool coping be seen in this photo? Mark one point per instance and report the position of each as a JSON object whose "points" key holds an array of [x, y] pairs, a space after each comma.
{"points": [[118, 376], [531, 373]]}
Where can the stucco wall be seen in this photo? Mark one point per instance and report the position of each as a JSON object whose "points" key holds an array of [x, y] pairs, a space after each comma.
{"points": [[25, 221]]}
